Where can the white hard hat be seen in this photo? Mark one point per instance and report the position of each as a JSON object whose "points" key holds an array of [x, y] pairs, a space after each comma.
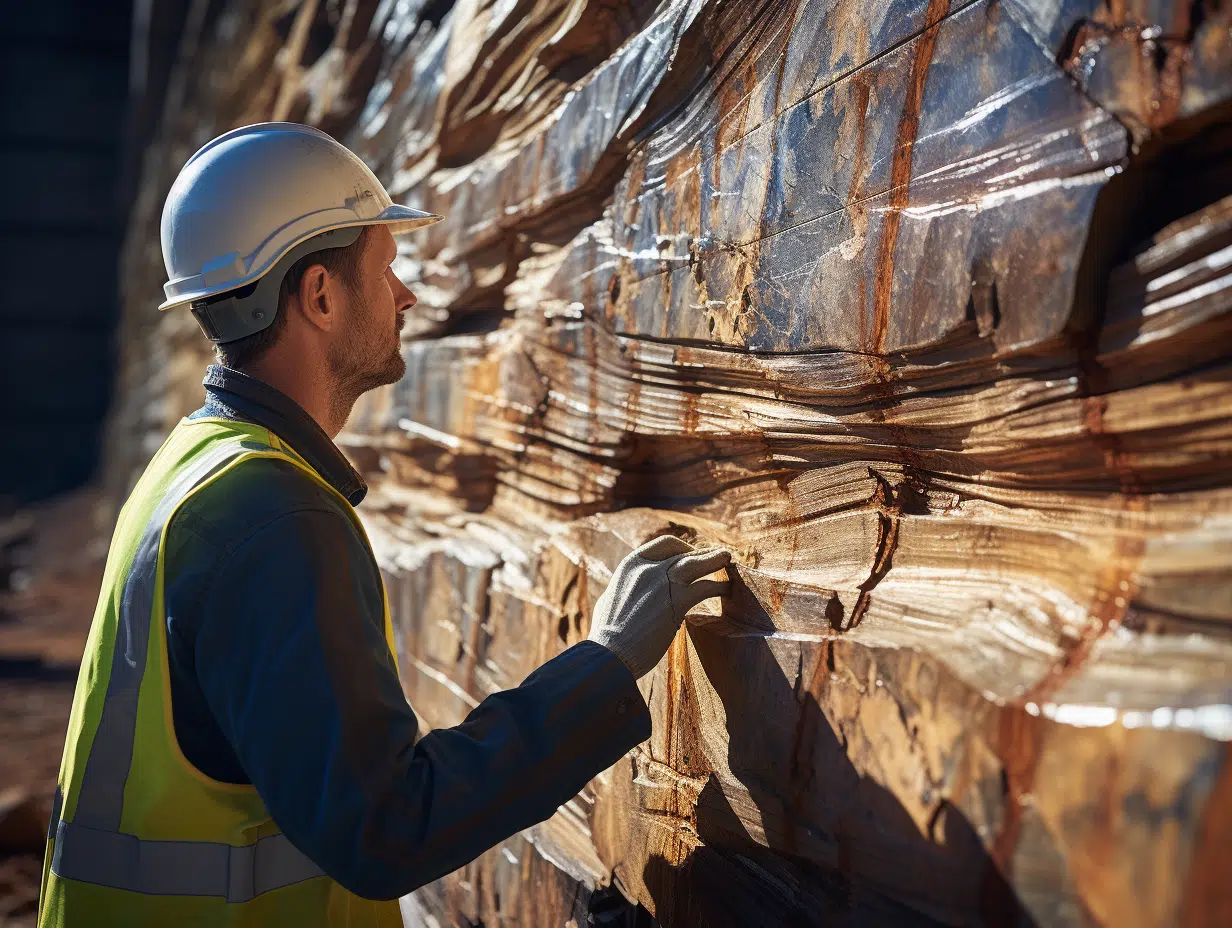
{"points": [[245, 200]]}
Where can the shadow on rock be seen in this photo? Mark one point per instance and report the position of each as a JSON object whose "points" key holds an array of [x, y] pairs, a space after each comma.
{"points": [[818, 843]]}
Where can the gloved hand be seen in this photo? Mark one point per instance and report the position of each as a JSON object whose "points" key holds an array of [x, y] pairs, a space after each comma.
{"points": [[653, 587]]}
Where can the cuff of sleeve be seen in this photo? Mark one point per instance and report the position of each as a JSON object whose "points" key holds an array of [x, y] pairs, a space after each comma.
{"points": [[621, 701]]}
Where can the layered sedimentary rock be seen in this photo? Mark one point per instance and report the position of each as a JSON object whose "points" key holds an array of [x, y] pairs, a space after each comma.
{"points": [[922, 308]]}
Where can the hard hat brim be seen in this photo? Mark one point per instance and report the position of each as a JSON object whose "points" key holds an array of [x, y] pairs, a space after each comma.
{"points": [[397, 218]]}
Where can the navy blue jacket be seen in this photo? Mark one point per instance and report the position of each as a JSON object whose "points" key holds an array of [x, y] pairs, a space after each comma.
{"points": [[280, 677]]}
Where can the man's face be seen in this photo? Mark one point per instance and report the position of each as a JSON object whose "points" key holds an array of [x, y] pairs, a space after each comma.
{"points": [[367, 352]]}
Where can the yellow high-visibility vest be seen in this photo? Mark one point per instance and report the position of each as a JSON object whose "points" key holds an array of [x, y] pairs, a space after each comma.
{"points": [[139, 836]]}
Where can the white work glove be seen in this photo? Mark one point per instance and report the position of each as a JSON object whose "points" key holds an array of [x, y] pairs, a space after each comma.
{"points": [[653, 587]]}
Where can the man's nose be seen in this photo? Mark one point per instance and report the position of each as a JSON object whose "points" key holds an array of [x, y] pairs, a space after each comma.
{"points": [[403, 298]]}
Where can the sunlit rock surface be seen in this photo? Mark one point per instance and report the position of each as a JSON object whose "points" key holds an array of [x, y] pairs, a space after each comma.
{"points": [[924, 309]]}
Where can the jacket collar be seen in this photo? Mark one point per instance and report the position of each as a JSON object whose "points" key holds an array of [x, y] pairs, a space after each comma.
{"points": [[230, 394]]}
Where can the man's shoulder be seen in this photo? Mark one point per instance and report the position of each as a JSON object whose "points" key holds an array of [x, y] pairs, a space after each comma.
{"points": [[249, 496]]}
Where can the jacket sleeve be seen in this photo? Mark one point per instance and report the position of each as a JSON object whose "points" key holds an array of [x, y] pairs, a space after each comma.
{"points": [[292, 661]]}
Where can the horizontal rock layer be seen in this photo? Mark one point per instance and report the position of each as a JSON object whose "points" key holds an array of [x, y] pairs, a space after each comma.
{"points": [[923, 309]]}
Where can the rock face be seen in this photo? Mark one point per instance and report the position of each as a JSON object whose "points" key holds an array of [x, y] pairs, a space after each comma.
{"points": [[923, 308]]}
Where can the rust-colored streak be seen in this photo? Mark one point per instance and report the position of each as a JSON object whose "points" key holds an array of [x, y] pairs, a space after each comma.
{"points": [[1116, 581], [1018, 746], [669, 704], [861, 90], [778, 588], [887, 541], [889, 512], [1208, 893], [1115, 587], [593, 487], [690, 418], [900, 172], [682, 756]]}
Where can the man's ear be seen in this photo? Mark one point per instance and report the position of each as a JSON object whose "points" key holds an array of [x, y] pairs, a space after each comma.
{"points": [[316, 298]]}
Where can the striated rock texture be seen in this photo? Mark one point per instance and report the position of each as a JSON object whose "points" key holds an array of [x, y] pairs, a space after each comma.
{"points": [[923, 308]]}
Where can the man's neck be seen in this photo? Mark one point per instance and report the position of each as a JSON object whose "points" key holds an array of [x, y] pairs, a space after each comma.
{"points": [[311, 388]]}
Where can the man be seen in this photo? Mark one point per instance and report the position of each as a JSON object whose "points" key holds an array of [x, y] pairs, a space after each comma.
{"points": [[239, 750]]}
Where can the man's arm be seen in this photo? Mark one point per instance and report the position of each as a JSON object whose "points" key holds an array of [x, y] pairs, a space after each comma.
{"points": [[293, 664]]}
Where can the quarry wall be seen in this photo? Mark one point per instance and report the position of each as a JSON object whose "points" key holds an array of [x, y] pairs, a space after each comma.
{"points": [[922, 308]]}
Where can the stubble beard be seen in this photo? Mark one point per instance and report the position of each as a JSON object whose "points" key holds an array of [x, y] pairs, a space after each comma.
{"points": [[357, 368]]}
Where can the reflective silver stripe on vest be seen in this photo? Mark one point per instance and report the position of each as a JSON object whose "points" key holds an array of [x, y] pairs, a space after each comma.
{"points": [[178, 868], [101, 799], [91, 848]]}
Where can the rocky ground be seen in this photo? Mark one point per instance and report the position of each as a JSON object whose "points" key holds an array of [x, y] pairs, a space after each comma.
{"points": [[49, 575]]}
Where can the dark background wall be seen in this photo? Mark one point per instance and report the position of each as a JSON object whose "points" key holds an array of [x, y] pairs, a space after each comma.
{"points": [[81, 90], [64, 73]]}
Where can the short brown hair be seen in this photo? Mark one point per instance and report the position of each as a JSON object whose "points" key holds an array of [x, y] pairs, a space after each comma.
{"points": [[344, 262]]}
